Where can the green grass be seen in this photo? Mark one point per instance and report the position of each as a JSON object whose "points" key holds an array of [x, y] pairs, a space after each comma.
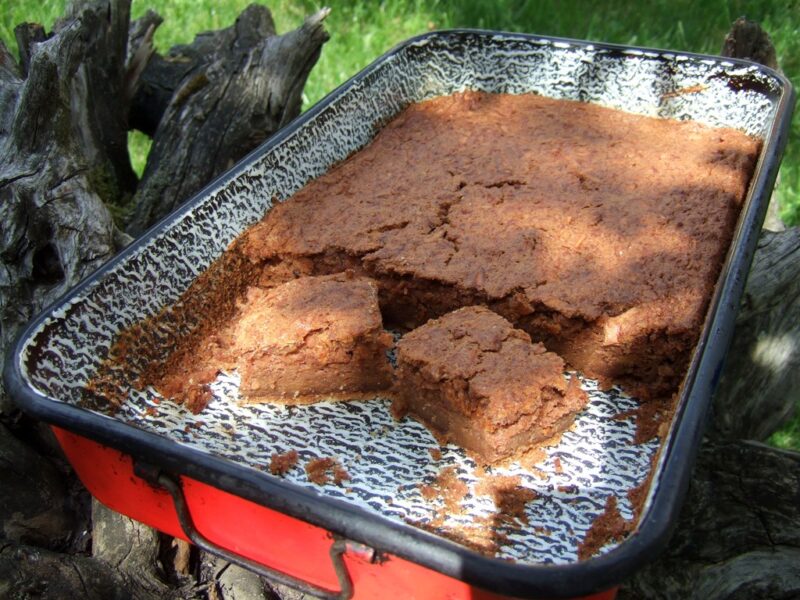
{"points": [[788, 437], [361, 30]]}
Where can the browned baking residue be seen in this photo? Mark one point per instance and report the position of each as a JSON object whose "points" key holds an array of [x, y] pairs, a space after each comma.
{"points": [[435, 453], [428, 492], [609, 526], [452, 489], [651, 418], [638, 494], [196, 425], [449, 488], [557, 465], [280, 464], [692, 89], [480, 537], [509, 497], [340, 474], [321, 470], [197, 398], [530, 458]]}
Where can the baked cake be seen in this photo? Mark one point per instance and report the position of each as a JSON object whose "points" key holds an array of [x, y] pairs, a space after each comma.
{"points": [[309, 339], [476, 381], [599, 232]]}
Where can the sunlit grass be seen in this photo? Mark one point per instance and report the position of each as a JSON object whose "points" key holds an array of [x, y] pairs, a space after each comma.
{"points": [[788, 437]]}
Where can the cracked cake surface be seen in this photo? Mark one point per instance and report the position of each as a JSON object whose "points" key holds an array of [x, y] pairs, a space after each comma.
{"points": [[308, 339], [599, 232], [478, 382]]}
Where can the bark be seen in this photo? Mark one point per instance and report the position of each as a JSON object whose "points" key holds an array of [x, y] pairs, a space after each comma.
{"points": [[164, 74], [246, 71], [63, 153], [35, 506], [748, 40], [28, 572], [232, 582], [760, 386], [131, 549], [738, 535]]}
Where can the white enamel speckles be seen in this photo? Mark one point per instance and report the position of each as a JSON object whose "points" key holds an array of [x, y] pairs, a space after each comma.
{"points": [[388, 461]]}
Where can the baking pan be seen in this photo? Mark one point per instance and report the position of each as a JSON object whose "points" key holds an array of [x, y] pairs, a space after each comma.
{"points": [[204, 477]]}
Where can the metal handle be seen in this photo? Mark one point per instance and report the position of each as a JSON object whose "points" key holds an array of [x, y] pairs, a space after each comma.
{"points": [[156, 477]]}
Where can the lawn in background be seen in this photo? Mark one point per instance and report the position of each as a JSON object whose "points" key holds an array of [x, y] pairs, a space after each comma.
{"points": [[361, 30]]}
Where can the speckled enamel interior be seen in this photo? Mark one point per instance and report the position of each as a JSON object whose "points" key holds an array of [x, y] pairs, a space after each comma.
{"points": [[386, 459]]}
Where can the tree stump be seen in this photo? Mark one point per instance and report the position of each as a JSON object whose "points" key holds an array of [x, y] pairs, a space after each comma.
{"points": [[65, 108], [192, 96], [63, 154]]}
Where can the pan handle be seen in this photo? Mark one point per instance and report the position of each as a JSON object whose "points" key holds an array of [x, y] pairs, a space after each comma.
{"points": [[158, 478]]}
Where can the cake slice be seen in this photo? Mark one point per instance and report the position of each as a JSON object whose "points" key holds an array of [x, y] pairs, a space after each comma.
{"points": [[310, 339], [476, 381]]}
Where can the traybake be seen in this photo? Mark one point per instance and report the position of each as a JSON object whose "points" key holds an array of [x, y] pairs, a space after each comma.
{"points": [[307, 339], [215, 465], [476, 381], [599, 232]]}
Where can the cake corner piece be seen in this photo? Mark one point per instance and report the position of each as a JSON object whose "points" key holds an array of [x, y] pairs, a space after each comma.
{"points": [[312, 339], [474, 380]]}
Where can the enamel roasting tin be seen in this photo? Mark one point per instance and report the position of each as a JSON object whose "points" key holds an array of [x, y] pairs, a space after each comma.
{"points": [[206, 477]]}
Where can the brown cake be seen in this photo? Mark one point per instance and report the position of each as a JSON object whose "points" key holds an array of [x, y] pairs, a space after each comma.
{"points": [[599, 232], [475, 380], [309, 339]]}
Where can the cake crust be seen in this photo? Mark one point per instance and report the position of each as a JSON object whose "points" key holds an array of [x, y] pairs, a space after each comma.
{"points": [[475, 380], [600, 233], [308, 339]]}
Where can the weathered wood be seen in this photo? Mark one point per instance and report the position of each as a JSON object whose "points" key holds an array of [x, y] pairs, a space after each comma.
{"points": [[232, 582], [131, 549], [164, 74], [760, 386], [748, 40], [26, 35], [140, 53], [34, 504], [245, 71], [63, 152], [28, 572], [738, 535]]}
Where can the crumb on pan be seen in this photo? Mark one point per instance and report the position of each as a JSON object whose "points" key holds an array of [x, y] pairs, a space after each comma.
{"points": [[322, 470], [280, 464]]}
